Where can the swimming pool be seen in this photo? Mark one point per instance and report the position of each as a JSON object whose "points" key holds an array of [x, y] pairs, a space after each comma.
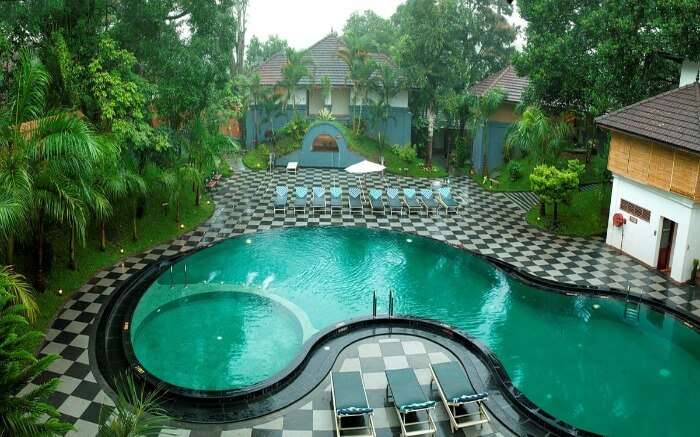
{"points": [[236, 313]]}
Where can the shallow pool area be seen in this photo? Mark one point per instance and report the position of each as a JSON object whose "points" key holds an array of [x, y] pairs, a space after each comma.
{"points": [[236, 313]]}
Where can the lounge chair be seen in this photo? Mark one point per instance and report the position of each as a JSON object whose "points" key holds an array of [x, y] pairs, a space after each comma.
{"points": [[318, 199], [375, 201], [300, 194], [410, 402], [280, 200], [350, 405], [355, 199], [448, 202], [428, 200], [458, 395], [411, 201], [395, 204], [336, 199]]}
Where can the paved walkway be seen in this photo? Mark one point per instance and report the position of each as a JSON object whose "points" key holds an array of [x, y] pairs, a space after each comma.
{"points": [[491, 224]]}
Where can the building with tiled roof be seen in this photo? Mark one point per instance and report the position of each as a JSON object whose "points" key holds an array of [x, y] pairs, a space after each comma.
{"points": [[326, 67], [489, 143], [655, 161]]}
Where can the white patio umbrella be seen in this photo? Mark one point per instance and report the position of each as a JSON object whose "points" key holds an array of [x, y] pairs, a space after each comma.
{"points": [[365, 167]]}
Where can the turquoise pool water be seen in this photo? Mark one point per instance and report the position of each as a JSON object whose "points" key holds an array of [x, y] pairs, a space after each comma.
{"points": [[251, 302]]}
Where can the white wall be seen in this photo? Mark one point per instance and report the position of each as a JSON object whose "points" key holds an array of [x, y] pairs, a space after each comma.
{"points": [[340, 101], [299, 96], [400, 100], [641, 240], [316, 101]]}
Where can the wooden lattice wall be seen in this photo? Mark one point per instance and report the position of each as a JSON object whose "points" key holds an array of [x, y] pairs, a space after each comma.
{"points": [[655, 164]]}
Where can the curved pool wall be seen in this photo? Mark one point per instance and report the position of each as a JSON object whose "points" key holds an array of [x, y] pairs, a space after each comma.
{"points": [[593, 373]]}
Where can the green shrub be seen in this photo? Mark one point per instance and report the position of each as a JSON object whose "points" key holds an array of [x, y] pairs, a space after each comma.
{"points": [[406, 152], [515, 170], [295, 128], [325, 115]]}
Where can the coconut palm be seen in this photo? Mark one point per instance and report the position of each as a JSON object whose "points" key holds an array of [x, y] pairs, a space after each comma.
{"points": [[136, 412], [50, 155], [483, 108], [538, 134], [386, 85], [24, 413], [294, 69], [355, 52]]}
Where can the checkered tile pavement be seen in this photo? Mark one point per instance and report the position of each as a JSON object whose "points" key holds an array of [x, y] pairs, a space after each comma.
{"points": [[490, 224]]}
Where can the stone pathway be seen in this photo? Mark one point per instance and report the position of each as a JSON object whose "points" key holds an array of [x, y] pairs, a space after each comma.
{"points": [[490, 224]]}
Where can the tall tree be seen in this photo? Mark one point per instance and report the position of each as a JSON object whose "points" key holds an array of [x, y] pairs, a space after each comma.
{"points": [[355, 52], [386, 85], [591, 57], [260, 51], [380, 31], [483, 107], [295, 68]]}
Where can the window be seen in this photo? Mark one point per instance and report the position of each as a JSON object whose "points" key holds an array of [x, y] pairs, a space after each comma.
{"points": [[324, 143], [635, 210]]}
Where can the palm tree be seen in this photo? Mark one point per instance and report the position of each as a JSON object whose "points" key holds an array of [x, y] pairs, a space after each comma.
{"points": [[50, 154], [355, 53], [24, 413], [483, 108], [136, 412], [294, 69], [21, 293], [386, 85], [538, 134]]}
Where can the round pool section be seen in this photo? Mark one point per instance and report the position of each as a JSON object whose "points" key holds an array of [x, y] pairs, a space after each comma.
{"points": [[238, 312]]}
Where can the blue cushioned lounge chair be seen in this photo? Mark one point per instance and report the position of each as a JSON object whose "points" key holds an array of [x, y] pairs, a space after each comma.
{"points": [[336, 199], [395, 204], [375, 201], [411, 404], [411, 200], [300, 194], [350, 405], [449, 202], [463, 404], [428, 200], [318, 199], [355, 199], [280, 200]]}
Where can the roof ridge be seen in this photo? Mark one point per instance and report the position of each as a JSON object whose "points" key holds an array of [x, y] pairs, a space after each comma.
{"points": [[499, 77], [697, 100], [648, 99]]}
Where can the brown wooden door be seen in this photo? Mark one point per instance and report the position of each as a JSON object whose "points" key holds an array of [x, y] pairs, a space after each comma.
{"points": [[668, 229]]}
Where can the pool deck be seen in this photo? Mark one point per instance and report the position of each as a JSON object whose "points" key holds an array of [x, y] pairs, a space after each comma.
{"points": [[492, 224]]}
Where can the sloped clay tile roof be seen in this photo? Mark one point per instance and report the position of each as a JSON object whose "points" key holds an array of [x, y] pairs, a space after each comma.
{"points": [[672, 117], [324, 62], [508, 80]]}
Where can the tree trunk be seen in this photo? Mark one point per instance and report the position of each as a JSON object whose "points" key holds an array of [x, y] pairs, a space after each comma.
{"points": [[196, 196], [543, 210], [10, 255], [40, 278], [555, 214], [485, 148], [134, 233], [431, 129], [177, 211], [103, 237], [72, 263]]}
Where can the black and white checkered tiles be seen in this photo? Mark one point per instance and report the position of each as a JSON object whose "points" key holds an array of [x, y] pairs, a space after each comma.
{"points": [[490, 224]]}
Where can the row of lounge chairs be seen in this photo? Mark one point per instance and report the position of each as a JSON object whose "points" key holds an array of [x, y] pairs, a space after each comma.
{"points": [[412, 201], [354, 415]]}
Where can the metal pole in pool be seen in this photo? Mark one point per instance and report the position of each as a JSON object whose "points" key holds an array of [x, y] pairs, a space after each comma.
{"points": [[172, 280], [374, 303], [391, 303], [185, 275]]}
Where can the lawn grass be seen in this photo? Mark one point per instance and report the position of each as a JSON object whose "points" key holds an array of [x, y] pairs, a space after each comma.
{"points": [[586, 215], [527, 165], [154, 227], [256, 158]]}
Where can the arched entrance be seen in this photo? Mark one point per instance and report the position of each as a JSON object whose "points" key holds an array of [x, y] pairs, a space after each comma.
{"points": [[324, 145]]}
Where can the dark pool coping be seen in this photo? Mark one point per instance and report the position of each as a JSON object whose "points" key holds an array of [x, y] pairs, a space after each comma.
{"points": [[109, 344]]}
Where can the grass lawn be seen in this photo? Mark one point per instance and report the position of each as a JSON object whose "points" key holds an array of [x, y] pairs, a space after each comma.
{"points": [[527, 164], [154, 227], [586, 215], [256, 158]]}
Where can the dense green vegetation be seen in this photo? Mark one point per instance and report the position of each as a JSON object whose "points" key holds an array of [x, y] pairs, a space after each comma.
{"points": [[586, 214]]}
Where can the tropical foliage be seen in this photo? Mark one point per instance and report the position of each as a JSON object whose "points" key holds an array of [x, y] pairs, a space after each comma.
{"points": [[554, 185], [538, 134], [24, 412]]}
